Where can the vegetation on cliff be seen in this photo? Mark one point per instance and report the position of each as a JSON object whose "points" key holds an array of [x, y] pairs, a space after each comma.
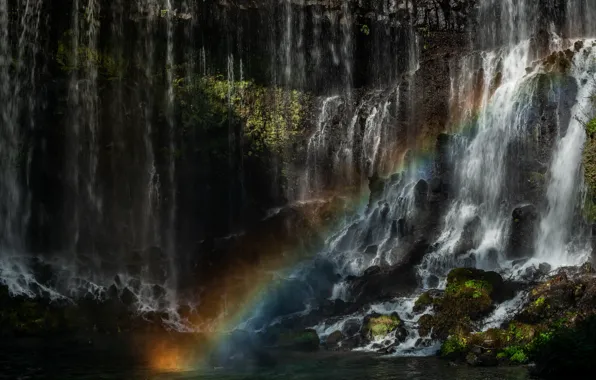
{"points": [[271, 117]]}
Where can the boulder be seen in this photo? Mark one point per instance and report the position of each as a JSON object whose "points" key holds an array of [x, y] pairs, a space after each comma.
{"points": [[421, 194], [470, 237], [298, 340], [377, 326], [371, 250], [427, 299], [351, 327], [522, 232], [334, 339]]}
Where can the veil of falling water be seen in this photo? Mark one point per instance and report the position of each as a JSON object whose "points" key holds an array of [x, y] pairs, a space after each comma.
{"points": [[112, 146]]}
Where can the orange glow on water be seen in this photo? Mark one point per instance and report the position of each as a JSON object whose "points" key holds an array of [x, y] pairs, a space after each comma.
{"points": [[176, 353]]}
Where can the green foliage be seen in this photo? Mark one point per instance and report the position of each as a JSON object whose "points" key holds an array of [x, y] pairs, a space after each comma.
{"points": [[472, 288], [82, 57], [516, 354], [569, 351], [454, 345], [365, 29], [270, 117], [591, 127]]}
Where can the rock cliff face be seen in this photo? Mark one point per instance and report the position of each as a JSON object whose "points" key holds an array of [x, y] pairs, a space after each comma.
{"points": [[164, 157]]}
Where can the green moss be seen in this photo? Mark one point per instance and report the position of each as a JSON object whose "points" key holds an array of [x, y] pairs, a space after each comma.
{"points": [[424, 301], [589, 166], [305, 339], [381, 326], [82, 57], [591, 127], [270, 117]]}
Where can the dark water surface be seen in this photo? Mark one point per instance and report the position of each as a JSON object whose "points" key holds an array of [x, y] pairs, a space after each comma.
{"points": [[55, 363]]}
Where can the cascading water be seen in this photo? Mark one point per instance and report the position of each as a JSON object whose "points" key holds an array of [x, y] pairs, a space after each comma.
{"points": [[497, 97], [122, 217], [18, 65]]}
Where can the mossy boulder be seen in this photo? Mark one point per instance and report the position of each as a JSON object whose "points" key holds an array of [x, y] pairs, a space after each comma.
{"points": [[333, 341], [300, 340], [377, 326], [470, 295], [427, 299], [556, 328], [512, 345], [422, 302], [425, 325]]}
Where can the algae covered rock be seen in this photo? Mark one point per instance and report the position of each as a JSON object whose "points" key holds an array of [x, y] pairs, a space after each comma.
{"points": [[300, 340], [377, 326], [427, 299]]}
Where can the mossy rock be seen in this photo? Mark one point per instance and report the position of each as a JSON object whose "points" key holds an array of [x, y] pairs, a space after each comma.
{"points": [[461, 276], [304, 340], [377, 326], [425, 325], [423, 302]]}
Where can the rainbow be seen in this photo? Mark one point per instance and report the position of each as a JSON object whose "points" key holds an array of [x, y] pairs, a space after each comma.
{"points": [[247, 287]]}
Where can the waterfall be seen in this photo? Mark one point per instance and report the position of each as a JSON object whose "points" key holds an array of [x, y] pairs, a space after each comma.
{"points": [[555, 243], [19, 34]]}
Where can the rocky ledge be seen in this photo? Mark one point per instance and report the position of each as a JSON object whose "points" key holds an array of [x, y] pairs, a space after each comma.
{"points": [[554, 328]]}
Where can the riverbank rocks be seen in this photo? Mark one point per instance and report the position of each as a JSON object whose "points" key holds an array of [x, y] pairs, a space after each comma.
{"points": [[555, 328], [470, 295]]}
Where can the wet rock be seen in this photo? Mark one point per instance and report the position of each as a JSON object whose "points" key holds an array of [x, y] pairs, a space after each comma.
{"points": [[520, 262], [371, 250], [334, 339], [421, 342], [470, 237], [587, 268], [127, 297], [425, 325], [544, 268], [302, 340], [377, 326], [421, 194], [394, 229], [523, 226], [578, 45], [428, 299], [402, 228], [351, 343], [351, 327], [385, 210], [372, 270], [400, 279], [376, 186], [432, 281], [472, 359]]}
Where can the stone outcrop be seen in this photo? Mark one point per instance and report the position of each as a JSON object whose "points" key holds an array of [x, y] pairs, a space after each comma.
{"points": [[553, 327]]}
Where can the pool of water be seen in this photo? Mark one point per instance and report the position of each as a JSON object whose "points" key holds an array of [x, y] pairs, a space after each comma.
{"points": [[63, 364]]}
